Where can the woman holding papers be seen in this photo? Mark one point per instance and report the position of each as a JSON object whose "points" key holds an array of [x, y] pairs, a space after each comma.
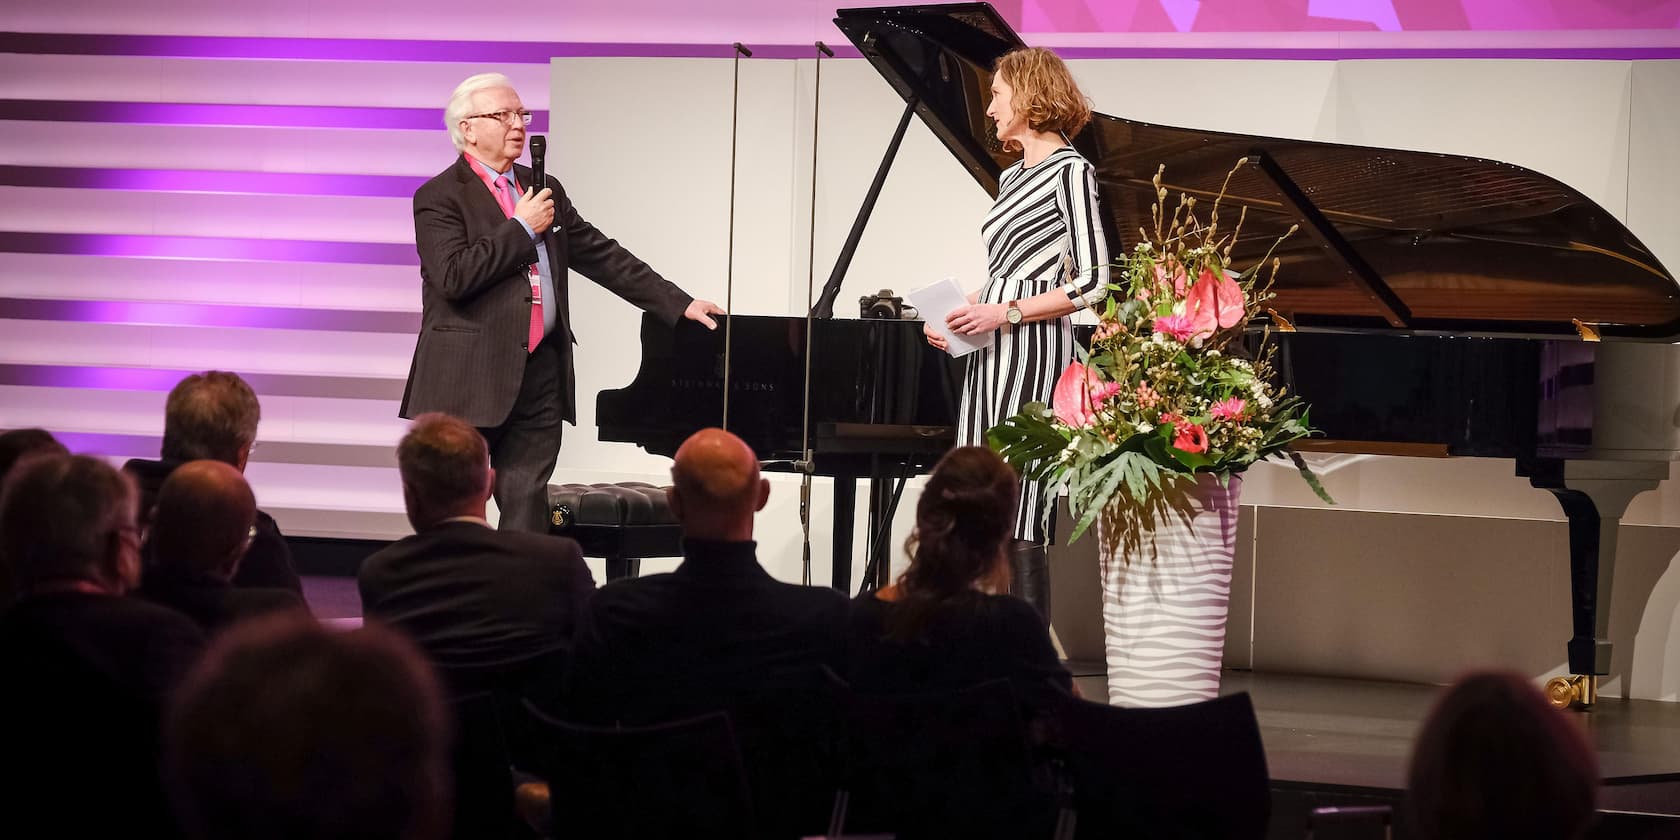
{"points": [[1047, 257]]}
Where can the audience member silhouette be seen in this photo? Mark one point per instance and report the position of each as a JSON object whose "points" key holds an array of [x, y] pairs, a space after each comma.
{"points": [[1494, 759], [470, 595], [16, 445], [20, 443], [213, 415], [719, 626], [86, 669], [204, 519], [287, 729], [942, 626]]}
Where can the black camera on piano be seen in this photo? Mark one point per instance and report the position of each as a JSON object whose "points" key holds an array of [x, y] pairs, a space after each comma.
{"points": [[884, 306]]}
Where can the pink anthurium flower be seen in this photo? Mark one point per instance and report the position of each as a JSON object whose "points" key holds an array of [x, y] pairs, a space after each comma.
{"points": [[1170, 275], [1077, 395], [1214, 303]]}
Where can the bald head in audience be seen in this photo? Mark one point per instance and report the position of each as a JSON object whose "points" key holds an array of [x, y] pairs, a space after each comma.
{"points": [[205, 511], [716, 487], [445, 467]]}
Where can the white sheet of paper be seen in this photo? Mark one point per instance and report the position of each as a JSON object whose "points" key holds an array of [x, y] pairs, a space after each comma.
{"points": [[934, 302]]}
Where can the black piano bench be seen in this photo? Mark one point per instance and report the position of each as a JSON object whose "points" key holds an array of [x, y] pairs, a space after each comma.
{"points": [[620, 522]]}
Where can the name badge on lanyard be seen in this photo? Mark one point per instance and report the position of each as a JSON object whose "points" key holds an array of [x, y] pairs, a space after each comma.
{"points": [[536, 284]]}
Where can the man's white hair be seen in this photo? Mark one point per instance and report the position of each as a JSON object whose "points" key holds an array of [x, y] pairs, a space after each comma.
{"points": [[461, 103]]}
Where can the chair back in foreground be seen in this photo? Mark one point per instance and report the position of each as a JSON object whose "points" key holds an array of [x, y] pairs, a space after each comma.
{"points": [[483, 777], [1190, 771], [943, 764], [786, 737], [672, 780]]}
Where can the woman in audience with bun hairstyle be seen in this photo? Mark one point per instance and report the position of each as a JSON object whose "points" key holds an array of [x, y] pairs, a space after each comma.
{"points": [[946, 624]]}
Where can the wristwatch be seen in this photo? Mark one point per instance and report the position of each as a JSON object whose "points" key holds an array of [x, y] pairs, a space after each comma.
{"points": [[1014, 314]]}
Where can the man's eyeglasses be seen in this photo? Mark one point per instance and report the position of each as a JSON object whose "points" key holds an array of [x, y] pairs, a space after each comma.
{"points": [[504, 117]]}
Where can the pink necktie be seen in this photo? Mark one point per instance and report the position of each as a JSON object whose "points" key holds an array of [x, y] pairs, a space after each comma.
{"points": [[504, 197]]}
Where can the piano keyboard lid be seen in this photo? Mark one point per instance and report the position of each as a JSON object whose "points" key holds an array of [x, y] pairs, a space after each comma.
{"points": [[1389, 240]]}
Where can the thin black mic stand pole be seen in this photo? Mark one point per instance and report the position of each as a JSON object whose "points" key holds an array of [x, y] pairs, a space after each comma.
{"points": [[729, 267], [806, 465]]}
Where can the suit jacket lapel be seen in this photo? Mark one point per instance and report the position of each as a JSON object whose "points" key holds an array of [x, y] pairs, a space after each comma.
{"points": [[550, 239], [479, 201]]}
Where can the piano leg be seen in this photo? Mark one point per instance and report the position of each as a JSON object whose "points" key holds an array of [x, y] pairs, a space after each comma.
{"points": [[845, 505], [1594, 495]]}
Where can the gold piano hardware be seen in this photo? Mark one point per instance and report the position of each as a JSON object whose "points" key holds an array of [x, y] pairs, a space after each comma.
{"points": [[1372, 447], [1283, 324], [1587, 331], [1579, 691]]}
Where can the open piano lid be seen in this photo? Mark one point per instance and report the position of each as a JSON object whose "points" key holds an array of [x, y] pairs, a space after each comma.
{"points": [[1390, 240]]}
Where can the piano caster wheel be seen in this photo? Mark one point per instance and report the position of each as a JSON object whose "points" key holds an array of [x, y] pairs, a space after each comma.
{"points": [[1578, 692]]}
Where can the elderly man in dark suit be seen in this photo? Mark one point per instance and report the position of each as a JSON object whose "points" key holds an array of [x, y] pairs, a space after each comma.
{"points": [[717, 629], [495, 345], [472, 597]]}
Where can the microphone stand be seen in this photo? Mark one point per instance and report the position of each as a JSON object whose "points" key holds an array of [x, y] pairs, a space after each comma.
{"points": [[806, 465], [729, 265]]}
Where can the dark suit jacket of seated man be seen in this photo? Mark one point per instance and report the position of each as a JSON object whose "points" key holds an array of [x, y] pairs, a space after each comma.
{"points": [[719, 627], [474, 596], [268, 559]]}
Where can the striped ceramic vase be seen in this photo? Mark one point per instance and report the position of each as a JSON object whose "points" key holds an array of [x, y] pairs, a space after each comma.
{"points": [[1165, 593]]}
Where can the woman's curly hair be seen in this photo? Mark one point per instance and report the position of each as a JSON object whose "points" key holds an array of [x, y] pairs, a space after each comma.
{"points": [[1044, 91]]}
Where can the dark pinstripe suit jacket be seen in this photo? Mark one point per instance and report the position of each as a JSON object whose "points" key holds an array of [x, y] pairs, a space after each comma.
{"points": [[476, 302]]}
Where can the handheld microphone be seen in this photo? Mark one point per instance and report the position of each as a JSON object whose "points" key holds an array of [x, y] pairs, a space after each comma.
{"points": [[539, 148]]}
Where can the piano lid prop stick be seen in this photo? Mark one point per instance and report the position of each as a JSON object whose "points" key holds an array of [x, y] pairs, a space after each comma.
{"points": [[729, 266]]}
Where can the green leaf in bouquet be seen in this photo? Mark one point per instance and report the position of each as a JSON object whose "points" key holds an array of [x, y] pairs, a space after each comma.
{"points": [[1192, 461], [1093, 492], [1030, 441], [1310, 477]]}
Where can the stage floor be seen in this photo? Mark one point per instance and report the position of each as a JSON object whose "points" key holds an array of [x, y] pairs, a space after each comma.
{"points": [[1341, 741]]}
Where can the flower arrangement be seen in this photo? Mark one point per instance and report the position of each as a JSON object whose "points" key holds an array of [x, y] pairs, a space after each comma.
{"points": [[1162, 396]]}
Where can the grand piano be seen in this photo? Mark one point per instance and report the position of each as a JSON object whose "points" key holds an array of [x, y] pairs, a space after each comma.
{"points": [[1437, 305]]}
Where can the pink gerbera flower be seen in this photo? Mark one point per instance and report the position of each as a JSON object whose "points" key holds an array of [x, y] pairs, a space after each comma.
{"points": [[1234, 408], [1177, 327]]}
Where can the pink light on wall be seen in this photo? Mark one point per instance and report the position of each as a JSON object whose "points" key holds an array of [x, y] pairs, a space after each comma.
{"points": [[1109, 16], [766, 22]]}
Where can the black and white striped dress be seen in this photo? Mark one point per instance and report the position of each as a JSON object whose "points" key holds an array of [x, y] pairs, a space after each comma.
{"points": [[1042, 233]]}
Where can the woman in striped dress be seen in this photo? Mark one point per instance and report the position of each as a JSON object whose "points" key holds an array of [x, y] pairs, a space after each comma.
{"points": [[1046, 257]]}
